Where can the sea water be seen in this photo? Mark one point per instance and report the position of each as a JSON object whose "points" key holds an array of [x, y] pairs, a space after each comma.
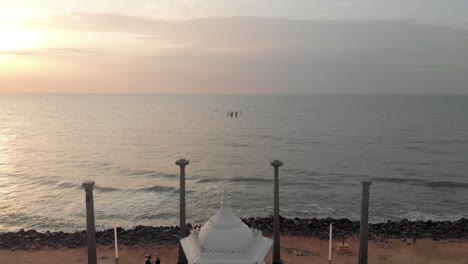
{"points": [[413, 147]]}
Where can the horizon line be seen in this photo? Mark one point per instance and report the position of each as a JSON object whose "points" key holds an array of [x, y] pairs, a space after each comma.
{"points": [[237, 94]]}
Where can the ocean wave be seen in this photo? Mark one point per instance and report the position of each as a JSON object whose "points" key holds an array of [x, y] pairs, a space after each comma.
{"points": [[299, 141], [235, 145], [406, 171], [426, 163], [440, 152], [302, 183], [450, 141], [105, 189], [432, 184], [249, 179], [156, 216], [448, 184], [39, 181], [235, 179], [157, 188], [146, 173], [102, 166], [68, 185], [415, 215], [77, 186], [301, 172], [418, 142], [207, 179], [413, 148]]}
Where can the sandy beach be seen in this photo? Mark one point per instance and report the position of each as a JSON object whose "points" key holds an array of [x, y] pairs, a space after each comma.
{"points": [[297, 250]]}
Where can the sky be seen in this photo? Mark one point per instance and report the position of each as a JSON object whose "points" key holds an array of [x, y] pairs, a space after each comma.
{"points": [[234, 47]]}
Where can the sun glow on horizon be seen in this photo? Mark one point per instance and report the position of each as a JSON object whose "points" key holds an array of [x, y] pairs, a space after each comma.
{"points": [[16, 39], [15, 43]]}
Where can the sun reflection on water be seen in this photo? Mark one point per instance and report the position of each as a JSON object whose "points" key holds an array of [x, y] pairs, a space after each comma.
{"points": [[5, 161]]}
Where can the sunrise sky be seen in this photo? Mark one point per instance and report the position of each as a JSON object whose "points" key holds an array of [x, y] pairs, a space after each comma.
{"points": [[236, 46]]}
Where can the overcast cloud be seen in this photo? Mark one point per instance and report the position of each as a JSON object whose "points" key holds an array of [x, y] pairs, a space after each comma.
{"points": [[355, 46]]}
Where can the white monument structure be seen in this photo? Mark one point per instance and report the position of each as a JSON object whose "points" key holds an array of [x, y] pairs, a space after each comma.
{"points": [[225, 239]]}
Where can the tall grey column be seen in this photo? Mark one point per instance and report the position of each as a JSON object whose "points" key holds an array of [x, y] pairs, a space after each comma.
{"points": [[182, 163], [90, 228], [364, 223], [276, 220]]}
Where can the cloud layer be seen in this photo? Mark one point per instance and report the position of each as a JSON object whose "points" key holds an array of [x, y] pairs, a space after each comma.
{"points": [[116, 53]]}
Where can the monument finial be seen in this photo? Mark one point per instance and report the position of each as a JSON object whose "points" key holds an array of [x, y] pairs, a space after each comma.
{"points": [[225, 199]]}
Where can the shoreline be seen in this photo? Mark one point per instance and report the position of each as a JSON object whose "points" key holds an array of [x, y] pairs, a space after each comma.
{"points": [[142, 236], [295, 249]]}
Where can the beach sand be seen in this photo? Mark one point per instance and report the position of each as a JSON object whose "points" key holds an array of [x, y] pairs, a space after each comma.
{"points": [[297, 250]]}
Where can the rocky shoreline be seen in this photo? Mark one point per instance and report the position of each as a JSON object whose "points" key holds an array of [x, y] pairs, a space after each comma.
{"points": [[141, 236]]}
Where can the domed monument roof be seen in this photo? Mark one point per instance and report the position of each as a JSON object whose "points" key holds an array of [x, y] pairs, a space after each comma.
{"points": [[225, 239], [224, 230]]}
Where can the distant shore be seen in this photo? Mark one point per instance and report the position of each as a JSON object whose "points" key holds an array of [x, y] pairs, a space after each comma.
{"points": [[142, 236]]}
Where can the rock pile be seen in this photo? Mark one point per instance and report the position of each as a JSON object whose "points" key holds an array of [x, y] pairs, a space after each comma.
{"points": [[137, 236], [318, 228], [437, 230], [306, 227]]}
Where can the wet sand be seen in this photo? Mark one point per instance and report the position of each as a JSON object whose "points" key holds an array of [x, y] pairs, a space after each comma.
{"points": [[297, 250]]}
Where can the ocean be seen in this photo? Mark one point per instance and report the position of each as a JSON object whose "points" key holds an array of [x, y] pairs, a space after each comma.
{"points": [[413, 147]]}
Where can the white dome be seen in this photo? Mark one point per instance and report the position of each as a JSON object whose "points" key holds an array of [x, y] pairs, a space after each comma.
{"points": [[225, 230], [225, 239]]}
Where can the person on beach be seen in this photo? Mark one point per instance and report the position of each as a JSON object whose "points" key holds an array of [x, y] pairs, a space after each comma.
{"points": [[148, 261], [157, 261]]}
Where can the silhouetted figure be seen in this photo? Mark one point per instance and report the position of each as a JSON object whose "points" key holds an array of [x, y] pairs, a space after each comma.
{"points": [[236, 113], [231, 114], [228, 113], [148, 261], [157, 261]]}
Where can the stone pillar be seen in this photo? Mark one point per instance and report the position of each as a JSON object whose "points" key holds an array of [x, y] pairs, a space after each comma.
{"points": [[364, 223], [276, 220], [90, 228], [182, 163]]}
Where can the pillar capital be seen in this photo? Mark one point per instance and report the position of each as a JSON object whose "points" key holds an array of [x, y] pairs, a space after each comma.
{"points": [[88, 185], [182, 162], [276, 163], [366, 184]]}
